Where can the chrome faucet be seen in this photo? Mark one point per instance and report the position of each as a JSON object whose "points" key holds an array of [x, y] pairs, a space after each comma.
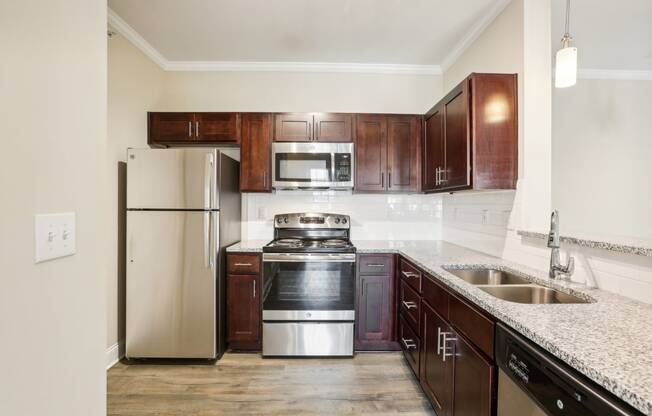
{"points": [[558, 270]]}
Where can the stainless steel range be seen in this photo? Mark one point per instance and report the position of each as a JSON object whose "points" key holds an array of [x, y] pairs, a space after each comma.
{"points": [[309, 286]]}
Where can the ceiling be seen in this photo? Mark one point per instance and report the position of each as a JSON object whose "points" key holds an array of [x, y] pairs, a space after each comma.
{"points": [[609, 35], [413, 32]]}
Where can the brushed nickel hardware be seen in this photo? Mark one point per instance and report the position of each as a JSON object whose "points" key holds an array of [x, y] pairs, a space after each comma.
{"points": [[389, 179], [375, 265], [409, 305], [254, 288], [445, 347], [197, 129], [382, 179], [243, 264], [190, 129], [409, 274], [557, 269], [409, 343]]}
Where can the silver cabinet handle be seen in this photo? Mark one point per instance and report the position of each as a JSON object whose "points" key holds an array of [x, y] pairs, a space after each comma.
{"points": [[243, 264], [382, 179], [438, 176], [190, 129], [254, 289], [409, 274], [444, 345], [197, 129], [375, 265], [409, 305], [311, 133], [409, 343], [438, 340], [265, 179], [389, 179]]}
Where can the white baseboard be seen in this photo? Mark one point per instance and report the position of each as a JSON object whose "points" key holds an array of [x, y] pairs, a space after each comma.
{"points": [[114, 353]]}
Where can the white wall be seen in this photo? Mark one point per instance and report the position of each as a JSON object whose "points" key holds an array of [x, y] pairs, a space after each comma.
{"points": [[602, 158], [373, 217], [135, 85], [297, 91], [53, 133]]}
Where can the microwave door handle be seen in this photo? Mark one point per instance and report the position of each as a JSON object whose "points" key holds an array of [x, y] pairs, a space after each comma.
{"points": [[333, 179]]}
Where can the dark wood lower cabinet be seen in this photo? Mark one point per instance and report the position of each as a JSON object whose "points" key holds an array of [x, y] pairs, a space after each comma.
{"points": [[475, 381], [375, 303], [243, 311], [436, 371]]}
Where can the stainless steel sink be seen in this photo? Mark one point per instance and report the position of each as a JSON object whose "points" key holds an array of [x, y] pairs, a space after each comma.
{"points": [[532, 294], [488, 276]]}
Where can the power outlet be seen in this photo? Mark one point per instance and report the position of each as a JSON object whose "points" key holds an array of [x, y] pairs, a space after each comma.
{"points": [[54, 236]]}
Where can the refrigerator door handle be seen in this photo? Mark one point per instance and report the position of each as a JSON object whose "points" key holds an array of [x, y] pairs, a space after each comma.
{"points": [[208, 258], [215, 223], [208, 181]]}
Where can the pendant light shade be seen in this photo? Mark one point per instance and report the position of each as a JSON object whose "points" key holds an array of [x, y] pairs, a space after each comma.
{"points": [[566, 58]]}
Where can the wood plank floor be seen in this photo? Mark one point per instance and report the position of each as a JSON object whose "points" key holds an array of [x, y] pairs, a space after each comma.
{"points": [[246, 384]]}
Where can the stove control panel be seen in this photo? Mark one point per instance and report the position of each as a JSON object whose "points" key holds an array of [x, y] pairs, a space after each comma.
{"points": [[312, 220]]}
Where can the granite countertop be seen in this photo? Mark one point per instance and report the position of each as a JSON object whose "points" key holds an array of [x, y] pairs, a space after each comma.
{"points": [[608, 340], [250, 246]]}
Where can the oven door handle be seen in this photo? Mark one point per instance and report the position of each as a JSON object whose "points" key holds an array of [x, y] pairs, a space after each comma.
{"points": [[309, 257]]}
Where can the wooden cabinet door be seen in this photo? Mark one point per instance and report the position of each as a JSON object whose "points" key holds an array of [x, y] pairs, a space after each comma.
{"points": [[217, 127], [433, 150], [435, 372], [403, 165], [166, 128], [333, 127], [371, 153], [243, 309], [475, 381], [457, 138], [255, 153], [293, 127], [374, 325]]}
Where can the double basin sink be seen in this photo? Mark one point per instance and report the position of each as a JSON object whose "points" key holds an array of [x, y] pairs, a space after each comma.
{"points": [[511, 287]]}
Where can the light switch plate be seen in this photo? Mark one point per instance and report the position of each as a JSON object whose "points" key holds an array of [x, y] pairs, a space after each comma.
{"points": [[54, 236]]}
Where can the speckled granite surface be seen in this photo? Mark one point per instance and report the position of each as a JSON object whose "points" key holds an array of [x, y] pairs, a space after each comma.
{"points": [[610, 340], [637, 248], [251, 246]]}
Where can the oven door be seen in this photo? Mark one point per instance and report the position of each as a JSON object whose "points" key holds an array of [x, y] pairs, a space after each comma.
{"points": [[308, 287], [311, 165]]}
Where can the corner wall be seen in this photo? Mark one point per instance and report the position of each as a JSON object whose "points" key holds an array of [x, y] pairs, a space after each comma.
{"points": [[53, 133]]}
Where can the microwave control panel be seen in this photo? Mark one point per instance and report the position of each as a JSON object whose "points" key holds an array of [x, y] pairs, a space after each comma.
{"points": [[343, 167]]}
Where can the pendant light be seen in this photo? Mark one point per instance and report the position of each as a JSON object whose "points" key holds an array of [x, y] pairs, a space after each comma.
{"points": [[566, 58]]}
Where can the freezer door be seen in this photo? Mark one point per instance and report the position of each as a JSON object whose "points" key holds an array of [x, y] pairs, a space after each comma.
{"points": [[172, 274], [172, 179]]}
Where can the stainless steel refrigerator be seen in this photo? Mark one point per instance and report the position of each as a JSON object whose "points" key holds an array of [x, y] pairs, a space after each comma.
{"points": [[183, 210]]}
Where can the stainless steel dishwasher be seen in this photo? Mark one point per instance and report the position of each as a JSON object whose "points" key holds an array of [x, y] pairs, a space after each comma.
{"points": [[531, 382]]}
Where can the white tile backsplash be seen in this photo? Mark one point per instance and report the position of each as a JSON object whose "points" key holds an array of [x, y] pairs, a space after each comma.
{"points": [[373, 217]]}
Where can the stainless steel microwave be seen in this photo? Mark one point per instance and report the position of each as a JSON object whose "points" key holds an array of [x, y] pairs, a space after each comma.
{"points": [[312, 165]]}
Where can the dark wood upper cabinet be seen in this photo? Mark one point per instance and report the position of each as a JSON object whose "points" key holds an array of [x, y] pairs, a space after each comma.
{"points": [[471, 137], [436, 373], [403, 164], [255, 153], [243, 310], [387, 153], [333, 127], [217, 127], [169, 129], [293, 127], [456, 137], [371, 153], [474, 391], [433, 150], [306, 127]]}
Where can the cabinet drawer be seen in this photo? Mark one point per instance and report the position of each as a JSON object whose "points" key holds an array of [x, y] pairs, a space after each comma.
{"points": [[243, 264], [473, 324], [411, 275], [410, 305], [380, 264], [436, 296], [410, 344]]}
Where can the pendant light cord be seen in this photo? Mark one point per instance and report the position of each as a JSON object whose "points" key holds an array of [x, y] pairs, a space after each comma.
{"points": [[567, 33]]}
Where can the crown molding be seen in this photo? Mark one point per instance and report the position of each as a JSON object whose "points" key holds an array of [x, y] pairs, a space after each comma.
{"points": [[134, 37], [615, 74], [473, 34], [303, 67], [123, 28]]}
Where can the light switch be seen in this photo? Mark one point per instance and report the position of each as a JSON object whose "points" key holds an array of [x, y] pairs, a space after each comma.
{"points": [[54, 236]]}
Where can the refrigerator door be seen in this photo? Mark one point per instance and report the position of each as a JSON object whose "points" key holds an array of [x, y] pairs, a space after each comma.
{"points": [[172, 179], [172, 271]]}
